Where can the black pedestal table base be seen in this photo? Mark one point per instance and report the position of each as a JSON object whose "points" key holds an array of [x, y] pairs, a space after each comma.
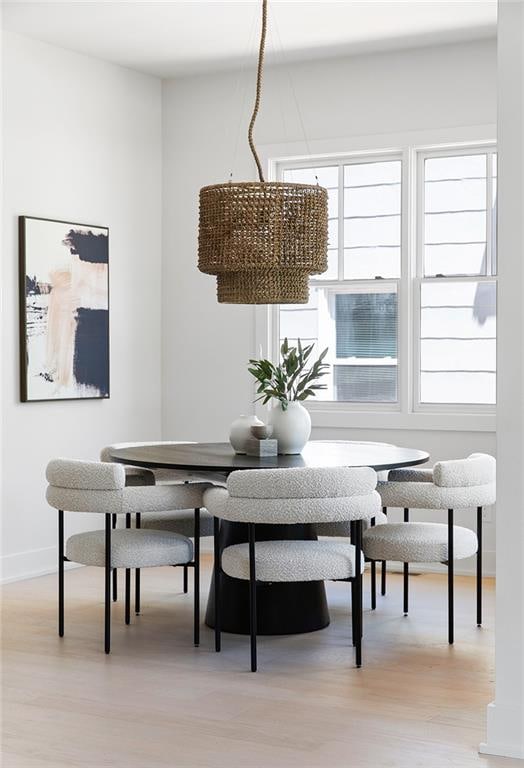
{"points": [[282, 608]]}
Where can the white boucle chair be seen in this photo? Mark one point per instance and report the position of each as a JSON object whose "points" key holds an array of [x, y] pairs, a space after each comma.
{"points": [[342, 529], [92, 486], [288, 496], [181, 521], [451, 485]]}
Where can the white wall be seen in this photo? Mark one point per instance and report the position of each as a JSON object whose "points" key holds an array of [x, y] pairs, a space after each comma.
{"points": [[505, 716], [206, 345], [81, 142]]}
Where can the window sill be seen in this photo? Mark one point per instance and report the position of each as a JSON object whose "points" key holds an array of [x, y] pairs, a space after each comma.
{"points": [[334, 416]]}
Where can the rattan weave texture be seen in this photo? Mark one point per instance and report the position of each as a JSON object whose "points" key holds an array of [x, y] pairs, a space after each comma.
{"points": [[263, 240]]}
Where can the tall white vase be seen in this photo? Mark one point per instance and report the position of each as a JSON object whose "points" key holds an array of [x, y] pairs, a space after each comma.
{"points": [[291, 427], [240, 432]]}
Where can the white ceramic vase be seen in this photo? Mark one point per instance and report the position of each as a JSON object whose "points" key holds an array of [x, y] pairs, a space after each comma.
{"points": [[291, 427], [240, 432]]}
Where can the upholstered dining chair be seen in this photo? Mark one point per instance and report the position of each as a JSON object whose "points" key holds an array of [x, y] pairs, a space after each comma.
{"points": [[342, 529], [91, 486], [287, 496], [181, 521], [452, 485]]}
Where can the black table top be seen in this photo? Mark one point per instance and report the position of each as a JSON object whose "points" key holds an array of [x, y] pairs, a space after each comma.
{"points": [[220, 457]]}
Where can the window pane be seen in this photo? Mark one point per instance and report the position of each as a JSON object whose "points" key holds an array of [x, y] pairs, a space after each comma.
{"points": [[300, 321], [455, 216], [326, 177], [363, 263], [372, 173], [372, 220], [458, 347], [442, 259], [365, 367], [456, 227], [372, 233], [366, 383], [458, 167]]}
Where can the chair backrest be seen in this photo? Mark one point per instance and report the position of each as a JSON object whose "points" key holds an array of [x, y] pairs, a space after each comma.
{"points": [[476, 469], [85, 486], [98, 486], [302, 495]]}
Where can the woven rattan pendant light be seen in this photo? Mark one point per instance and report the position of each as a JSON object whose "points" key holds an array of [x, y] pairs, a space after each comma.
{"points": [[262, 239]]}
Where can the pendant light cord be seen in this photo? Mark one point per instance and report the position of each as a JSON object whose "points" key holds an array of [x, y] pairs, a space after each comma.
{"points": [[258, 90]]}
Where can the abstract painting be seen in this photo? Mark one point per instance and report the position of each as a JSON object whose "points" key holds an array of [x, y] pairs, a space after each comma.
{"points": [[64, 310]]}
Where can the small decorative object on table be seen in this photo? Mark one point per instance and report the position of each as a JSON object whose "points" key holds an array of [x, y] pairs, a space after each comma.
{"points": [[240, 431], [260, 444], [289, 383]]}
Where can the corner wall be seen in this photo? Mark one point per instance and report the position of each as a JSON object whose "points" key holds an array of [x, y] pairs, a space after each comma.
{"points": [[81, 142]]}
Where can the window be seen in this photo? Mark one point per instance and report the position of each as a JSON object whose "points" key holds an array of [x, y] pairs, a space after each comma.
{"points": [[457, 291], [407, 306]]}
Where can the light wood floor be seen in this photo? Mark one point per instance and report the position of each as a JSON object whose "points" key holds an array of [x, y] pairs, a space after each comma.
{"points": [[157, 702]]}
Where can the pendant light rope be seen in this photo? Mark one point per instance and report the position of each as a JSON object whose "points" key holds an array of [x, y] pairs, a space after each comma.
{"points": [[262, 239], [260, 68]]}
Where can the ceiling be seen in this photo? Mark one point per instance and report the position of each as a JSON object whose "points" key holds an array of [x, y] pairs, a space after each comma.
{"points": [[188, 36]]}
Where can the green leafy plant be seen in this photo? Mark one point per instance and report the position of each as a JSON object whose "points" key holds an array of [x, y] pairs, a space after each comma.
{"points": [[294, 379]]}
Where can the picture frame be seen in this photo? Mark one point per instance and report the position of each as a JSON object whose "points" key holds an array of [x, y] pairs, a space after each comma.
{"points": [[64, 310]]}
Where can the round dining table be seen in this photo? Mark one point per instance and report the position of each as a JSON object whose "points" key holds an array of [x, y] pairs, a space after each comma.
{"points": [[282, 608]]}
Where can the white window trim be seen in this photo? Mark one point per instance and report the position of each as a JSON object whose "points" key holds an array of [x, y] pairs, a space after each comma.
{"points": [[407, 413], [420, 155]]}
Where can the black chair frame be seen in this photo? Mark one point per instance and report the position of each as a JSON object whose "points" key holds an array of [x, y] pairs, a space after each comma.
{"points": [[356, 590]]}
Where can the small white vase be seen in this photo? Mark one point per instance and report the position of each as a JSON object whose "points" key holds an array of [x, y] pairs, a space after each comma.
{"points": [[240, 432], [291, 427]]}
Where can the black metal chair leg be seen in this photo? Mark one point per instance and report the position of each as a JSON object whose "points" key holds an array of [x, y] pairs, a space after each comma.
{"points": [[354, 619], [373, 577], [128, 583], [479, 567], [196, 587], [252, 598], [115, 572], [383, 569], [358, 592], [107, 616], [185, 580], [406, 573], [138, 523], [218, 579], [60, 573], [354, 598], [451, 563]]}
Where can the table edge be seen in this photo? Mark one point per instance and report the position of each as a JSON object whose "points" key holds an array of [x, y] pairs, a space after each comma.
{"points": [[228, 469]]}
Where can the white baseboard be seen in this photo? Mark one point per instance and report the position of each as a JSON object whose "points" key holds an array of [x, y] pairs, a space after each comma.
{"points": [[30, 564], [505, 731]]}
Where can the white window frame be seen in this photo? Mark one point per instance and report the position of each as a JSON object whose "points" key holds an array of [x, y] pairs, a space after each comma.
{"points": [[488, 148], [410, 147]]}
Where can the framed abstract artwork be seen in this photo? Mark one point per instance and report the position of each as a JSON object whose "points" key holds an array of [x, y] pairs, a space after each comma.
{"points": [[64, 310]]}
